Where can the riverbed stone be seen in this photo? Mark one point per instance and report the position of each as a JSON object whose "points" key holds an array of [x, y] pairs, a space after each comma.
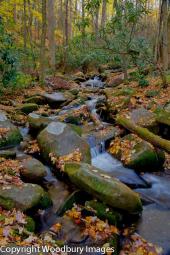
{"points": [[58, 98], [77, 115], [22, 197], [38, 122], [10, 134], [106, 188], [33, 170], [8, 154], [143, 156], [36, 99], [154, 226], [29, 107], [60, 139], [145, 118]]}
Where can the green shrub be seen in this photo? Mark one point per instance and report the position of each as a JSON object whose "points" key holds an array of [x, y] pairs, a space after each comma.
{"points": [[143, 83]]}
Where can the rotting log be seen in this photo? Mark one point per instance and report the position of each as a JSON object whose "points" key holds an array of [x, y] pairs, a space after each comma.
{"points": [[144, 133]]}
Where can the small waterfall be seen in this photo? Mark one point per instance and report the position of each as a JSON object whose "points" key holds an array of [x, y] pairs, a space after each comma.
{"points": [[96, 147]]}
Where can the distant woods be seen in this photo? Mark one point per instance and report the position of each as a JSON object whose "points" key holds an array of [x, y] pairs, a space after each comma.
{"points": [[52, 35]]}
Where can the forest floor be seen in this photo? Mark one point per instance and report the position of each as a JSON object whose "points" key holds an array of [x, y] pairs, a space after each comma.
{"points": [[117, 97]]}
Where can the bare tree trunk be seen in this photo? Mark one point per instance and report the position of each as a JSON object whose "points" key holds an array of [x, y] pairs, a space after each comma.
{"points": [[96, 21], [43, 38], [165, 34], [161, 49], [66, 33], [66, 23], [51, 33], [104, 8], [15, 12], [168, 41], [25, 26], [83, 21], [70, 18]]}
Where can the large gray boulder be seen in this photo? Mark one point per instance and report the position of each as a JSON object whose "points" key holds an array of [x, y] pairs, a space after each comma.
{"points": [[22, 197], [33, 170], [60, 139], [106, 188], [10, 134]]}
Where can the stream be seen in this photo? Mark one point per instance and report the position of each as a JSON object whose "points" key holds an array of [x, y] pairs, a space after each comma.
{"points": [[154, 224]]}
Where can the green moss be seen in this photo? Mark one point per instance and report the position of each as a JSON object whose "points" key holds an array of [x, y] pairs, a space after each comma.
{"points": [[152, 93], [77, 129], [125, 92], [74, 92], [27, 108], [103, 212], [45, 201], [12, 138], [35, 100], [73, 120], [143, 83], [6, 203], [163, 117], [146, 158], [30, 226], [110, 191]]}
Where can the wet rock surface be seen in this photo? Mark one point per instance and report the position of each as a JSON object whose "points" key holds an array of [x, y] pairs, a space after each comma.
{"points": [[60, 139], [10, 134], [33, 170], [23, 198], [104, 187], [155, 226]]}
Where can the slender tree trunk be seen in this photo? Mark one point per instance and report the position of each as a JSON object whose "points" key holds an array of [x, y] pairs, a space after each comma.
{"points": [[169, 41], [66, 23], [25, 25], [83, 21], [43, 38], [96, 21], [51, 33], [161, 49], [66, 30], [104, 8], [15, 12], [70, 18], [165, 34]]}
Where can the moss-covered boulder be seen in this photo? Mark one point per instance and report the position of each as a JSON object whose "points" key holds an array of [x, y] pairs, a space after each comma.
{"points": [[35, 100], [76, 116], [58, 98], [60, 139], [145, 118], [10, 135], [163, 117], [29, 107], [37, 122], [143, 156], [107, 189], [22, 197], [33, 170], [8, 154]]}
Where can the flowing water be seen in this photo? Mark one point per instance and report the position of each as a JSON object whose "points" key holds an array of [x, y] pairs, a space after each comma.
{"points": [[154, 224]]}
